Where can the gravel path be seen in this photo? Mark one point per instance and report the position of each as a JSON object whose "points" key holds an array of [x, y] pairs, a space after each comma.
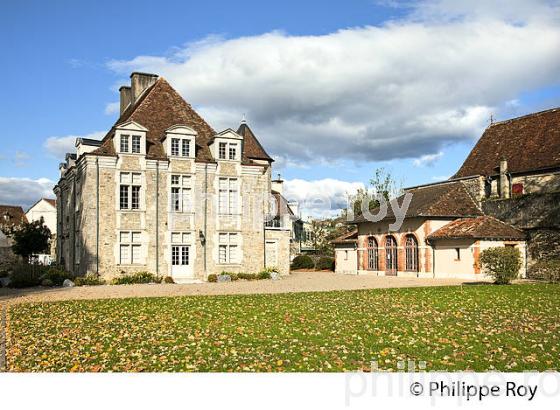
{"points": [[296, 282]]}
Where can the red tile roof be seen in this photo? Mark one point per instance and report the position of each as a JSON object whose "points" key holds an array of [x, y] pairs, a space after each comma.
{"points": [[449, 200], [11, 216], [159, 108], [347, 238], [528, 143], [482, 227]]}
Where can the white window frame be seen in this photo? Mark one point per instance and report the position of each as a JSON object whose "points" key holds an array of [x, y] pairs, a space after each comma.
{"points": [[131, 182], [228, 248], [228, 196], [124, 139], [185, 200], [132, 242], [181, 141], [228, 147]]}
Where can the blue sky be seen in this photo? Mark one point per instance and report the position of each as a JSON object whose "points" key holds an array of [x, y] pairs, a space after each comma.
{"points": [[334, 89]]}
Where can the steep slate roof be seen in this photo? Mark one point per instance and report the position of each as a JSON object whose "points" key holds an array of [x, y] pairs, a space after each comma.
{"points": [[348, 237], [441, 200], [528, 143], [159, 108], [482, 227], [252, 148], [11, 216], [282, 206]]}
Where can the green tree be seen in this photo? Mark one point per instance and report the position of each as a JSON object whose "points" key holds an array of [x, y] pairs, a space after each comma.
{"points": [[30, 238]]}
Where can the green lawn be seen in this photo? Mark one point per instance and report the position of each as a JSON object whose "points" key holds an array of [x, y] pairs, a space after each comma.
{"points": [[508, 328]]}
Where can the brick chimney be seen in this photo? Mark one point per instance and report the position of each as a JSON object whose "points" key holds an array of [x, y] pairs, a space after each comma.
{"points": [[504, 182], [139, 82], [126, 97]]}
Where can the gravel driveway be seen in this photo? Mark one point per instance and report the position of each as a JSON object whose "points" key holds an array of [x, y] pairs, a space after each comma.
{"points": [[296, 282]]}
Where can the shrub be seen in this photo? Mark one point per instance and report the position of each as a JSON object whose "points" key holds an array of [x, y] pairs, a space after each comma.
{"points": [[90, 279], [137, 277], [548, 270], [57, 275], [233, 276], [25, 275], [263, 275], [47, 282], [212, 277], [325, 263], [501, 263], [302, 262], [168, 279], [247, 276], [4, 273]]}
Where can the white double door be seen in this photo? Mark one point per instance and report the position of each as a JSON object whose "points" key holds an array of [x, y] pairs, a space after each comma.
{"points": [[181, 261]]}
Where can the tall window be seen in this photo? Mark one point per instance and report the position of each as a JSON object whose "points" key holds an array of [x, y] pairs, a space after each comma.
{"points": [[227, 252], [181, 193], [175, 146], [136, 144], [372, 253], [185, 148], [130, 248], [124, 143], [222, 150], [129, 190], [391, 262], [228, 196], [411, 252], [232, 151]]}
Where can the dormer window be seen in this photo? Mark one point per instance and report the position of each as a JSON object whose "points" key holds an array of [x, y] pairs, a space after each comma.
{"points": [[130, 138], [228, 151], [180, 141], [226, 146]]}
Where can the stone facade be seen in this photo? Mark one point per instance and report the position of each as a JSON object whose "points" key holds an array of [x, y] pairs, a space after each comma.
{"points": [[186, 236]]}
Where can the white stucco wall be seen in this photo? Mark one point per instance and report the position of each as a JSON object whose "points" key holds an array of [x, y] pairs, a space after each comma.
{"points": [[45, 210], [346, 259]]}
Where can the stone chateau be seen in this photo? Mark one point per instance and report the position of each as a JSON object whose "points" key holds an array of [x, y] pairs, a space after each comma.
{"points": [[165, 193]]}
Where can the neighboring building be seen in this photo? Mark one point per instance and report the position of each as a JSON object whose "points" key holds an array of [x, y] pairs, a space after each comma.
{"points": [[505, 194], [11, 217], [45, 209], [346, 253], [442, 235], [166, 193]]}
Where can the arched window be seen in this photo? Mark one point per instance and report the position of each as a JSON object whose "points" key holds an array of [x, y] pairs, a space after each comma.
{"points": [[372, 253], [411, 253], [391, 263]]}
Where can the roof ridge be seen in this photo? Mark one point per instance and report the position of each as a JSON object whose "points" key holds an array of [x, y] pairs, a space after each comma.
{"points": [[532, 114]]}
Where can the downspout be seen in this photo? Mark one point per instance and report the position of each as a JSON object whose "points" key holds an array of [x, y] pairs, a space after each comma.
{"points": [[73, 267], [157, 217], [205, 216], [97, 217]]}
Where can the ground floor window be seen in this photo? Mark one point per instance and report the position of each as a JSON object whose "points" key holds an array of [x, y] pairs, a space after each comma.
{"points": [[130, 248], [411, 253], [228, 248], [372, 253], [391, 263]]}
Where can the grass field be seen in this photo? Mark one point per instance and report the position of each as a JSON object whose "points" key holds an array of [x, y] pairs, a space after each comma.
{"points": [[486, 327]]}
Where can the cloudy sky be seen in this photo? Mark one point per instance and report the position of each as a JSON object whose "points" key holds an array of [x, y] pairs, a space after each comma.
{"points": [[333, 89]]}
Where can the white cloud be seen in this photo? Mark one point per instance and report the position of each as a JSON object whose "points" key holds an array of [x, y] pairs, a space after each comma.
{"points": [[21, 159], [320, 198], [112, 108], [401, 90], [59, 146], [427, 160], [24, 191]]}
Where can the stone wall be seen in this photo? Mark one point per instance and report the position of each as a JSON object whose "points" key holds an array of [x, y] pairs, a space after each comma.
{"points": [[539, 216]]}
